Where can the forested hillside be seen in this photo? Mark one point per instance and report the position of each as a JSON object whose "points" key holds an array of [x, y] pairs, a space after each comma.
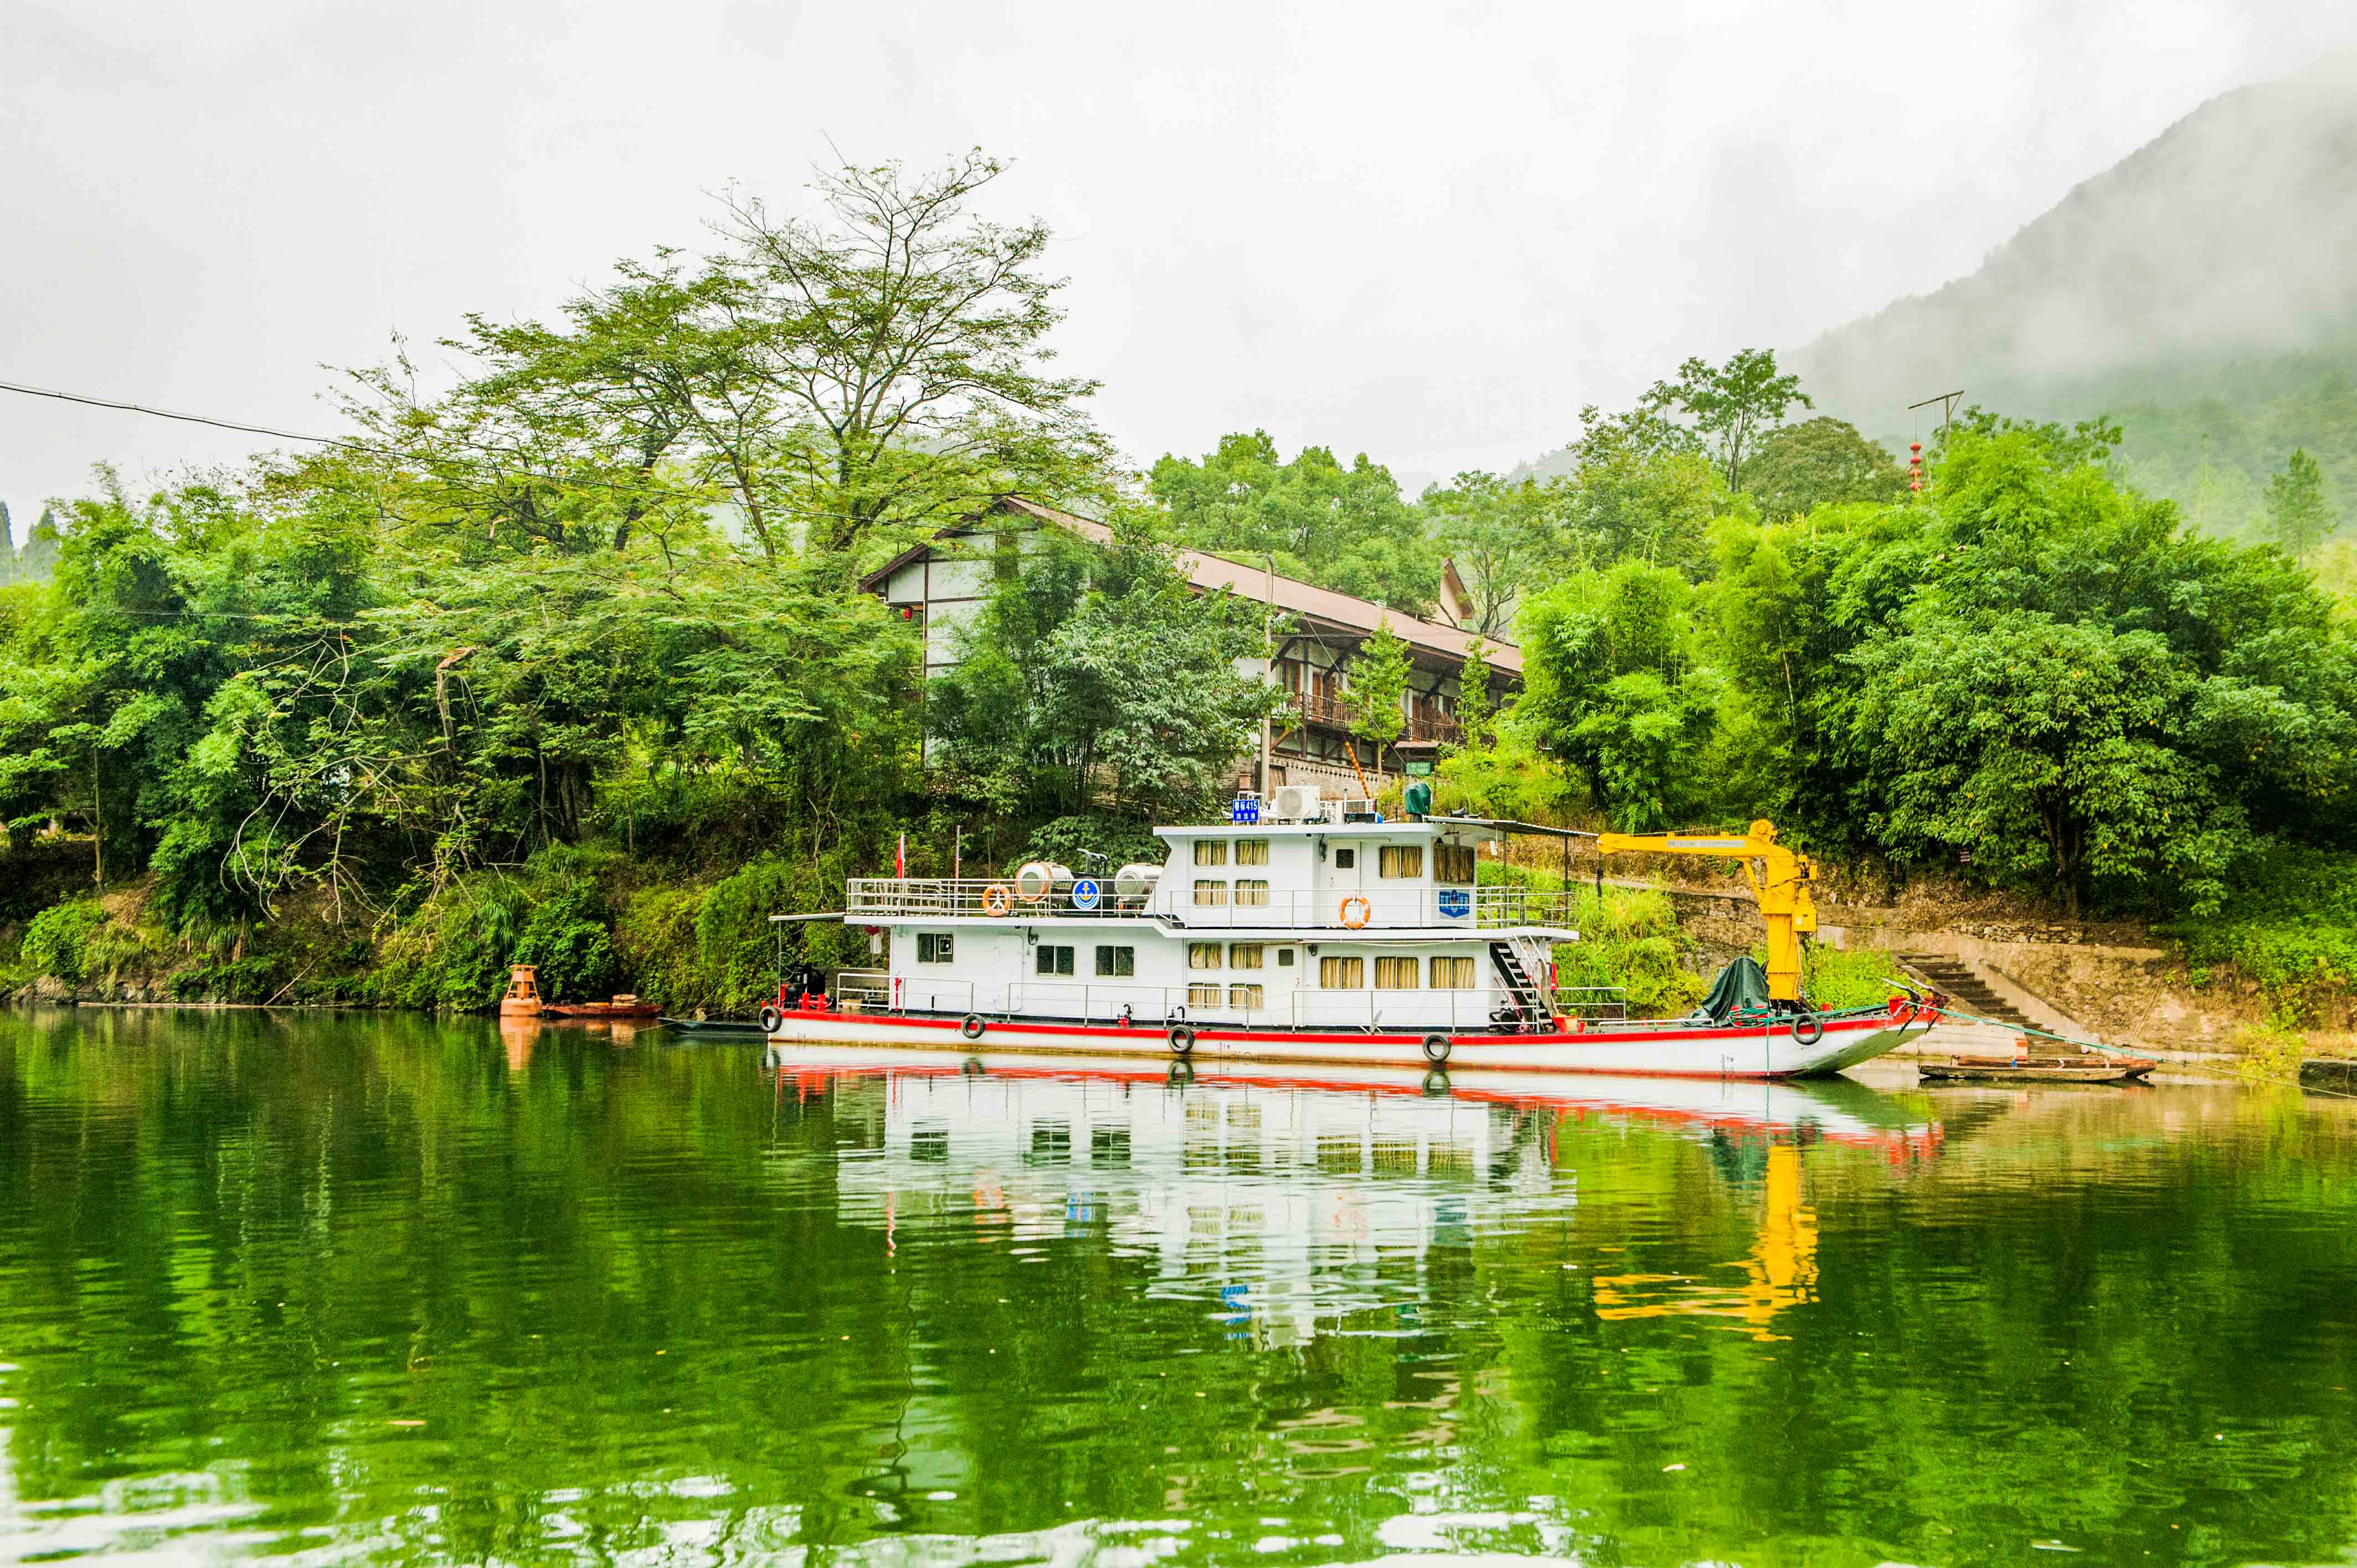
{"points": [[2202, 291]]}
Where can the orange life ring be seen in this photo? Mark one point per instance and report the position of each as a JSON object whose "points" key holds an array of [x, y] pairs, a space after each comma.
{"points": [[997, 898], [1366, 911]]}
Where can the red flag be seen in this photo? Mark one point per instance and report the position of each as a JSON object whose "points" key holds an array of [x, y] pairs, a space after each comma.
{"points": [[900, 859]]}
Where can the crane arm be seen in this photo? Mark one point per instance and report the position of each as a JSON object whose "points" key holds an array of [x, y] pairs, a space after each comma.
{"points": [[1783, 893]]}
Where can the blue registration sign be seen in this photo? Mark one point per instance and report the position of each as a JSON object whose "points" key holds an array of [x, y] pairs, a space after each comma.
{"points": [[1086, 894], [1244, 808]]}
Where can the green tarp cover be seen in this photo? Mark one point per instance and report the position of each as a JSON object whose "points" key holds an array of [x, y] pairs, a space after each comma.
{"points": [[1742, 987]]}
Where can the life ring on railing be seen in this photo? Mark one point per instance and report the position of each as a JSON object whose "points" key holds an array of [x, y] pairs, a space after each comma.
{"points": [[972, 1026], [770, 1019], [1808, 1029], [1435, 1049], [997, 898], [1183, 1039], [1366, 911]]}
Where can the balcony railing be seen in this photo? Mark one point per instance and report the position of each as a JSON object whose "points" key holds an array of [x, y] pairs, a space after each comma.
{"points": [[1210, 906], [1341, 713]]}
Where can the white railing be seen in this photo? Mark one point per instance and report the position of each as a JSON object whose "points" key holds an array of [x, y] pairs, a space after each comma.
{"points": [[1215, 904], [1222, 1003]]}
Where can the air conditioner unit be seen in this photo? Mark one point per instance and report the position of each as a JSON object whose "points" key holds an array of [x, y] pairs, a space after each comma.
{"points": [[1296, 802]]}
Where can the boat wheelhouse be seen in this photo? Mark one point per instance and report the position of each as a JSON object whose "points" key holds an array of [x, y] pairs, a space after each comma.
{"points": [[1306, 930]]}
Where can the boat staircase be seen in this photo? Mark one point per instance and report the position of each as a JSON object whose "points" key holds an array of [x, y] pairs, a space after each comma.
{"points": [[1964, 986], [1523, 963]]}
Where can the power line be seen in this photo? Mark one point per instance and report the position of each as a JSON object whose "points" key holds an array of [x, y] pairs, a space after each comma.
{"points": [[362, 446], [185, 418]]}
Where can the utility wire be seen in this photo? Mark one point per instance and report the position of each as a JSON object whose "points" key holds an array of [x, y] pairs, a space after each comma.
{"points": [[350, 445], [185, 418]]}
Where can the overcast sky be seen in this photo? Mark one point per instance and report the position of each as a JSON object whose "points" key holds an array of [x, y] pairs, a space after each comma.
{"points": [[1426, 231]]}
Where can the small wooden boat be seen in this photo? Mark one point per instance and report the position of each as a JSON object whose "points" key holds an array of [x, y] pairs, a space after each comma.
{"points": [[2029, 1064], [625, 1005]]}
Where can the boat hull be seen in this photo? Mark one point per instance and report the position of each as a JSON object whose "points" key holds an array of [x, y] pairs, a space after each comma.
{"points": [[1747, 1051]]}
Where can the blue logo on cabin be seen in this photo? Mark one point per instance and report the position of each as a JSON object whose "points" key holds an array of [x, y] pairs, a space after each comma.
{"points": [[1245, 809], [1085, 893], [1456, 906]]}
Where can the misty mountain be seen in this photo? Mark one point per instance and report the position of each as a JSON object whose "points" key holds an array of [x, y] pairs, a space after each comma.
{"points": [[2203, 290]]}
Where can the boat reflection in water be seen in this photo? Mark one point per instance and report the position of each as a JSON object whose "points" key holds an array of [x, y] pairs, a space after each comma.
{"points": [[1311, 1202]]}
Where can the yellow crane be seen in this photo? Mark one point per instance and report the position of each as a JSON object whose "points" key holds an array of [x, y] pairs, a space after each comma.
{"points": [[1781, 882]]}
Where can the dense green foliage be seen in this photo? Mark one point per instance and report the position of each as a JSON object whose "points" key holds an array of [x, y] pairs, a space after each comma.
{"points": [[547, 666], [1096, 676]]}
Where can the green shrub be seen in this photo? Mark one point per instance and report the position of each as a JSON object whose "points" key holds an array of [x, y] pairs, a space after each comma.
{"points": [[2290, 924], [568, 936], [453, 950], [655, 940], [1629, 938], [1064, 839], [59, 941], [1835, 979]]}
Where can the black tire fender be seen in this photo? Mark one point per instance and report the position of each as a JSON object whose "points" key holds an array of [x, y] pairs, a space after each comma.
{"points": [[1808, 1029], [972, 1027], [1435, 1049], [770, 1019], [1183, 1039]]}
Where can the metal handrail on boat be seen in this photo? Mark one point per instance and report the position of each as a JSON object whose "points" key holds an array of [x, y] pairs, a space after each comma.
{"points": [[1213, 904], [1202, 1000]]}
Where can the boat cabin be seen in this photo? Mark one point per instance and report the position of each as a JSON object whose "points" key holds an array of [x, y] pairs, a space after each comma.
{"points": [[1307, 914]]}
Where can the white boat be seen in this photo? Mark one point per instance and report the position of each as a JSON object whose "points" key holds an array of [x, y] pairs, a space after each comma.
{"points": [[1312, 932]]}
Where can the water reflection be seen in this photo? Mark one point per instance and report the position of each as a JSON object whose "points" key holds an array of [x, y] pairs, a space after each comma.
{"points": [[1302, 1204], [384, 1289]]}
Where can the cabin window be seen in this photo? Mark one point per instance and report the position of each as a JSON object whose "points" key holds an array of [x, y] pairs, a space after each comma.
{"points": [[1211, 892], [1397, 974], [1342, 974], [1252, 852], [1400, 860], [1244, 997], [1053, 960], [1245, 955], [935, 947], [1203, 996], [1252, 892], [1285, 957], [1203, 955], [1116, 963], [1346, 860], [1210, 852], [1452, 973], [1453, 863]]}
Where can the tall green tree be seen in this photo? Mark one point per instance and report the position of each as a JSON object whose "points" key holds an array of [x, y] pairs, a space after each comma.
{"points": [[839, 382], [1820, 462], [1094, 682], [2297, 514], [1342, 527], [1732, 406], [1378, 683], [1475, 709], [1500, 535], [1617, 690], [39, 556]]}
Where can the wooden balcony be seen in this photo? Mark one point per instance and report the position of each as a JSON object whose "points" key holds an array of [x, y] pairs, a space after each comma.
{"points": [[1340, 713]]}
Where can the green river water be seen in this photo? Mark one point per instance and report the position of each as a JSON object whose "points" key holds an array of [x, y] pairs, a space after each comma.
{"points": [[385, 1289]]}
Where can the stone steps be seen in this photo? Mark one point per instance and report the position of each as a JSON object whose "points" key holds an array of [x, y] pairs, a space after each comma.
{"points": [[1965, 988]]}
